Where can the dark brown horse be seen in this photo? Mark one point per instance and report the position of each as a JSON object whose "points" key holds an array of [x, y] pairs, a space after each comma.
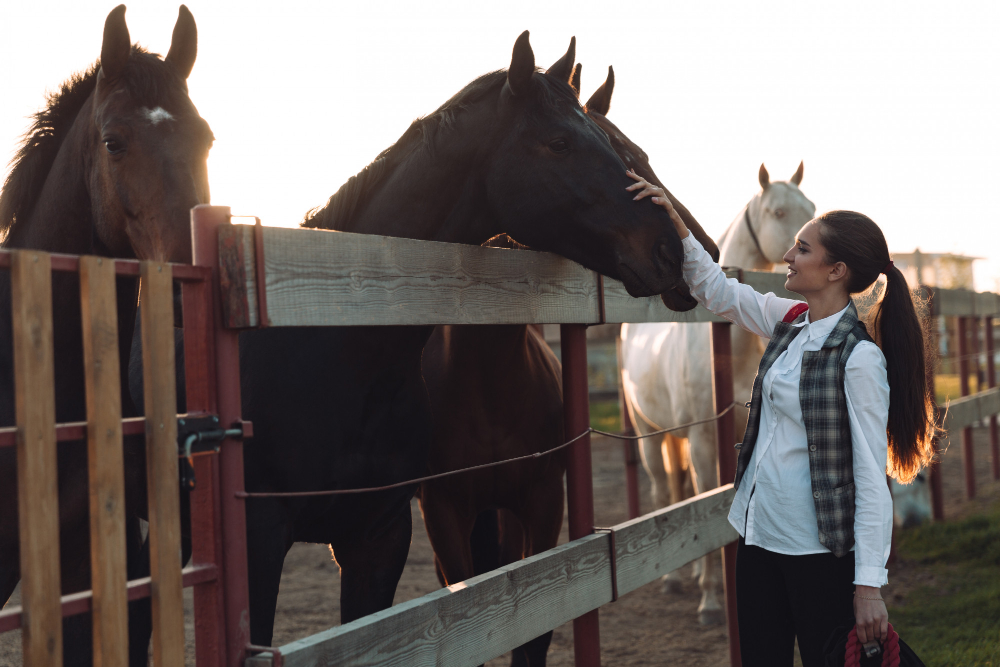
{"points": [[112, 167], [347, 407], [496, 393]]}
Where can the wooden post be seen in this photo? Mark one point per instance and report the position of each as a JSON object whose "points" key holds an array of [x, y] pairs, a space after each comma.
{"points": [[629, 447], [37, 499], [991, 381], [105, 460], [205, 223], [722, 388], [579, 475], [968, 453], [159, 382]]}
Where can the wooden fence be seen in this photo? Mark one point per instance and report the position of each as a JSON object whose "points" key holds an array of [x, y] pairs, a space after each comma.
{"points": [[284, 277], [317, 278]]}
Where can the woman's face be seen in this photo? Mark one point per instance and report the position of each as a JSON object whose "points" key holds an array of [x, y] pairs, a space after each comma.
{"points": [[808, 271]]}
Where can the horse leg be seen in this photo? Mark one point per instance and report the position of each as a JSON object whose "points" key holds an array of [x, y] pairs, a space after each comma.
{"points": [[673, 454], [672, 473], [450, 534], [140, 612], [269, 536], [542, 520], [371, 563], [703, 464], [10, 572], [651, 454]]}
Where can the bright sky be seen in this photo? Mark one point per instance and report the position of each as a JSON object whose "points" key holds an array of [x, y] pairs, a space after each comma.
{"points": [[892, 106]]}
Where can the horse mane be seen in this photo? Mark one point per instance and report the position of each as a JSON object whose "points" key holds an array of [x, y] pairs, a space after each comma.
{"points": [[347, 201], [32, 162]]}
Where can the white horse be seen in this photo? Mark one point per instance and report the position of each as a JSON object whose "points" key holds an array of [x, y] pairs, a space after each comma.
{"points": [[667, 373], [911, 503]]}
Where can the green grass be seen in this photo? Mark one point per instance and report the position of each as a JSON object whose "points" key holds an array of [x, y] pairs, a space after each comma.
{"points": [[954, 619], [604, 415]]}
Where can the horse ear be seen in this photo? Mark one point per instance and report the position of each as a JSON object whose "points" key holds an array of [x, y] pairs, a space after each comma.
{"points": [[763, 177], [117, 45], [184, 43], [797, 176], [575, 80], [563, 68], [600, 101], [522, 66]]}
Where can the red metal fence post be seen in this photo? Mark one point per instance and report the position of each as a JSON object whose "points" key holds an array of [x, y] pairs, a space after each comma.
{"points": [[722, 387], [963, 366], [579, 475], [629, 447], [991, 381], [205, 222], [206, 503]]}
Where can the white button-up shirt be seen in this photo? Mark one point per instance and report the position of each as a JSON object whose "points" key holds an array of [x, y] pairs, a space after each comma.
{"points": [[774, 507]]}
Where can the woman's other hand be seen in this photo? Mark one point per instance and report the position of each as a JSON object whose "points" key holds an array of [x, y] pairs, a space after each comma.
{"points": [[870, 614], [660, 198]]}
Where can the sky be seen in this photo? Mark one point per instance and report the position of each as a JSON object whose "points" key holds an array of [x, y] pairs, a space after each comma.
{"points": [[892, 106]]}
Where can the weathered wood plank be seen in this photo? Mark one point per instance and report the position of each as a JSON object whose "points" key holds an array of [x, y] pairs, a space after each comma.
{"points": [[38, 503], [473, 621], [650, 546], [237, 276], [619, 306], [953, 302], [476, 620], [321, 278], [105, 461], [968, 410], [987, 304], [156, 297]]}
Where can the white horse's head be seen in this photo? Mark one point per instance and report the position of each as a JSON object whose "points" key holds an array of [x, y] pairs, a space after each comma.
{"points": [[778, 212]]}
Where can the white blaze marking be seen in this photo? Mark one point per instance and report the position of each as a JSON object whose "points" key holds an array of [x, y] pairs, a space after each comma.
{"points": [[154, 116]]}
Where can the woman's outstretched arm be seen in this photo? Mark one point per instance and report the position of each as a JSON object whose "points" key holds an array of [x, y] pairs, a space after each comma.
{"points": [[727, 297]]}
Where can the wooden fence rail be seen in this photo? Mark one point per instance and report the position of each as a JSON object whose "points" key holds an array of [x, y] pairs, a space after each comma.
{"points": [[322, 278], [478, 619]]}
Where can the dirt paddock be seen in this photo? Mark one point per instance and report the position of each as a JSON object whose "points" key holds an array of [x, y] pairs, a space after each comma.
{"points": [[645, 627]]}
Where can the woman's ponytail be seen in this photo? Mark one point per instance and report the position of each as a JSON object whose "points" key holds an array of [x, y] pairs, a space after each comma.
{"points": [[895, 325], [898, 330]]}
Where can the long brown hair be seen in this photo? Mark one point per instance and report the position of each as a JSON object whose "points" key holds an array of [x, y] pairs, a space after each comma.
{"points": [[896, 327]]}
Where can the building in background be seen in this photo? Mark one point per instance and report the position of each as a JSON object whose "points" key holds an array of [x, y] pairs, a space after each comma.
{"points": [[936, 269]]}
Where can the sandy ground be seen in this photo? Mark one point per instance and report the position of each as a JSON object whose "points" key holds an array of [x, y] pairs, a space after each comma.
{"points": [[646, 627]]}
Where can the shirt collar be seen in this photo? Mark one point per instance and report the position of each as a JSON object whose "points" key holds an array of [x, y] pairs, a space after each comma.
{"points": [[822, 328]]}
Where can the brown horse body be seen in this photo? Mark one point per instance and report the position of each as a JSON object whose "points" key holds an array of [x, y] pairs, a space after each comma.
{"points": [[496, 393], [111, 167]]}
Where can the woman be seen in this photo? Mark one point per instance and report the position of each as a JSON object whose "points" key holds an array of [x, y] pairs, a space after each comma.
{"points": [[835, 406]]}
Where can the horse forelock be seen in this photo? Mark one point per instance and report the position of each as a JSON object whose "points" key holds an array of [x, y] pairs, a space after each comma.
{"points": [[147, 80]]}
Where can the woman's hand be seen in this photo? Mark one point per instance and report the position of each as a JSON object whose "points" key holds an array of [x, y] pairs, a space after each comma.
{"points": [[870, 615], [659, 197]]}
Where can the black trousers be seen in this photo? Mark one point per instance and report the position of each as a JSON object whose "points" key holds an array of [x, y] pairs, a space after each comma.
{"points": [[779, 598]]}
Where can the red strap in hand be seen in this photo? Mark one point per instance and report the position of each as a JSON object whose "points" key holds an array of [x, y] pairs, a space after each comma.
{"points": [[890, 649]]}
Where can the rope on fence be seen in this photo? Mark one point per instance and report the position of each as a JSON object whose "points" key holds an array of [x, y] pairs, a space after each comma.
{"points": [[387, 487]]}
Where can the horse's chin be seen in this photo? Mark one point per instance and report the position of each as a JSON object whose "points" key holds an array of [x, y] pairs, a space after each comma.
{"points": [[679, 299]]}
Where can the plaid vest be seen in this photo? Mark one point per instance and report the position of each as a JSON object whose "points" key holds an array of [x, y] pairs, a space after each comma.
{"points": [[828, 428]]}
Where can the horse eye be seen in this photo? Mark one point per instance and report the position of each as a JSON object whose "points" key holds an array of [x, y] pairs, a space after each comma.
{"points": [[779, 213], [114, 146], [559, 146]]}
